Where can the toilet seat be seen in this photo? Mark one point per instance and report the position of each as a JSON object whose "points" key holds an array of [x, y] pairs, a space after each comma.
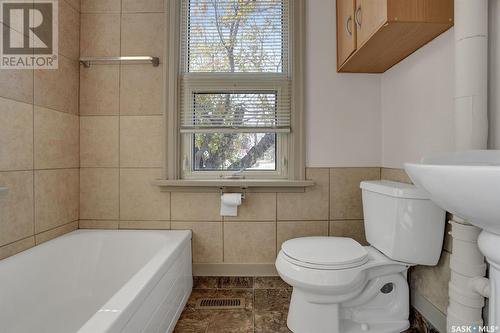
{"points": [[330, 253]]}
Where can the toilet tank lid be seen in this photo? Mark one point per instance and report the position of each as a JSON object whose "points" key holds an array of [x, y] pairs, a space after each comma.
{"points": [[394, 189]]}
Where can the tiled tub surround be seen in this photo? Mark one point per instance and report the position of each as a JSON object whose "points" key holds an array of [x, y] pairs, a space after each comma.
{"points": [[39, 145], [124, 198], [266, 307]]}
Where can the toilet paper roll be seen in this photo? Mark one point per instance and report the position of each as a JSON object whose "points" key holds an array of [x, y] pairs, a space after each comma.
{"points": [[229, 204]]}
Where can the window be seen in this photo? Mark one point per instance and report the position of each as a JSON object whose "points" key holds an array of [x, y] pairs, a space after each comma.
{"points": [[236, 114]]}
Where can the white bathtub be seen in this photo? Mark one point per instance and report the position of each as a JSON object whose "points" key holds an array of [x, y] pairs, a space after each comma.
{"points": [[93, 281]]}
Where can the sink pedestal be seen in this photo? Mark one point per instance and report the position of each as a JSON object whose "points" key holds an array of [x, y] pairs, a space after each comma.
{"points": [[466, 265], [489, 244]]}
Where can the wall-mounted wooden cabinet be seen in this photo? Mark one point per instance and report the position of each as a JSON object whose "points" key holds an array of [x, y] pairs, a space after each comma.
{"points": [[374, 35]]}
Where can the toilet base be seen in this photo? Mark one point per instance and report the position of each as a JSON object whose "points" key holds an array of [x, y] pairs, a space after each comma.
{"points": [[372, 311], [308, 317]]}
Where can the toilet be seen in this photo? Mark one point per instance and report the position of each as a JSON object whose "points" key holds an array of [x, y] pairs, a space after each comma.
{"points": [[340, 286]]}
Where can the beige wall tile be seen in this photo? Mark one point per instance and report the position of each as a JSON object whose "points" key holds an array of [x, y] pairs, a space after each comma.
{"points": [[69, 31], [295, 229], [17, 84], [141, 141], [146, 225], [56, 198], [143, 33], [16, 135], [207, 240], [100, 35], [256, 207], [311, 205], [100, 90], [57, 141], [99, 194], [56, 232], [143, 6], [141, 90], [250, 242], [195, 206], [345, 194], [396, 175], [349, 228], [139, 199], [431, 282], [16, 206], [99, 138], [101, 6], [58, 89], [16, 247], [98, 224]]}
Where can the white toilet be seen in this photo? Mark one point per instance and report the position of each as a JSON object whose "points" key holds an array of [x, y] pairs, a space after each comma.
{"points": [[340, 286]]}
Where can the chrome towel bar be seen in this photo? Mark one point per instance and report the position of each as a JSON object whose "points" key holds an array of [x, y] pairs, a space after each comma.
{"points": [[88, 61]]}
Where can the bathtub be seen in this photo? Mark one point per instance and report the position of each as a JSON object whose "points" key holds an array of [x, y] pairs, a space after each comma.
{"points": [[93, 281]]}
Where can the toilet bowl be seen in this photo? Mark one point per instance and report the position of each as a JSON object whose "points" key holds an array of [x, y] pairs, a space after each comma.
{"points": [[340, 286]]}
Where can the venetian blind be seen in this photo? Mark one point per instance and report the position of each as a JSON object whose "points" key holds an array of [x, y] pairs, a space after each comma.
{"points": [[235, 66]]}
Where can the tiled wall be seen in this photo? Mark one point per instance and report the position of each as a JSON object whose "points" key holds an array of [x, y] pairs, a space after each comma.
{"points": [[39, 144], [429, 282], [121, 150]]}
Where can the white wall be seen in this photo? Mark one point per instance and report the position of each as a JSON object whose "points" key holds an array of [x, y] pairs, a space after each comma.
{"points": [[401, 115], [494, 71], [417, 104], [342, 110]]}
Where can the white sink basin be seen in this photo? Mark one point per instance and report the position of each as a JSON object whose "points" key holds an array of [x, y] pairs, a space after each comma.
{"points": [[466, 184]]}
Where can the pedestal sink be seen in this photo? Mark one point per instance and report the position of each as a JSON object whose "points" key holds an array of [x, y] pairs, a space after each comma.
{"points": [[467, 184]]}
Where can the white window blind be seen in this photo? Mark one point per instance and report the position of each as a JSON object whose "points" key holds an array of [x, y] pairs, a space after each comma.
{"points": [[235, 73]]}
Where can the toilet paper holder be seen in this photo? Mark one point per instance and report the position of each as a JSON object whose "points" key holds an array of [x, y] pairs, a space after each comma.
{"points": [[243, 191]]}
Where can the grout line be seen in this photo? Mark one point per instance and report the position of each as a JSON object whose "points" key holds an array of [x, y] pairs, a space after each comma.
{"points": [[223, 228], [79, 116], [33, 152], [253, 307], [43, 169], [37, 105], [119, 118], [108, 167], [330, 170], [16, 241], [12, 99], [56, 227], [71, 5], [118, 114], [36, 234], [276, 225]]}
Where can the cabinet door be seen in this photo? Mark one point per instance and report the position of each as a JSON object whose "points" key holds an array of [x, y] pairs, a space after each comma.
{"points": [[370, 15], [346, 30]]}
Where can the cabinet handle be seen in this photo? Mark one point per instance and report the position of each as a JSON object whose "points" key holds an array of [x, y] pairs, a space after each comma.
{"points": [[356, 16], [348, 26]]}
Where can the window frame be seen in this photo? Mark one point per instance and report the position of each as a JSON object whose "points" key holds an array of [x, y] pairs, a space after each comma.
{"points": [[290, 162]]}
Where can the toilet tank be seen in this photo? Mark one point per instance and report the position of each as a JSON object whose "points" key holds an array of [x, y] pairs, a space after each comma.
{"points": [[402, 223]]}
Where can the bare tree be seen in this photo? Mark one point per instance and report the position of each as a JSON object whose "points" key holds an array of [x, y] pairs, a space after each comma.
{"points": [[228, 23]]}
